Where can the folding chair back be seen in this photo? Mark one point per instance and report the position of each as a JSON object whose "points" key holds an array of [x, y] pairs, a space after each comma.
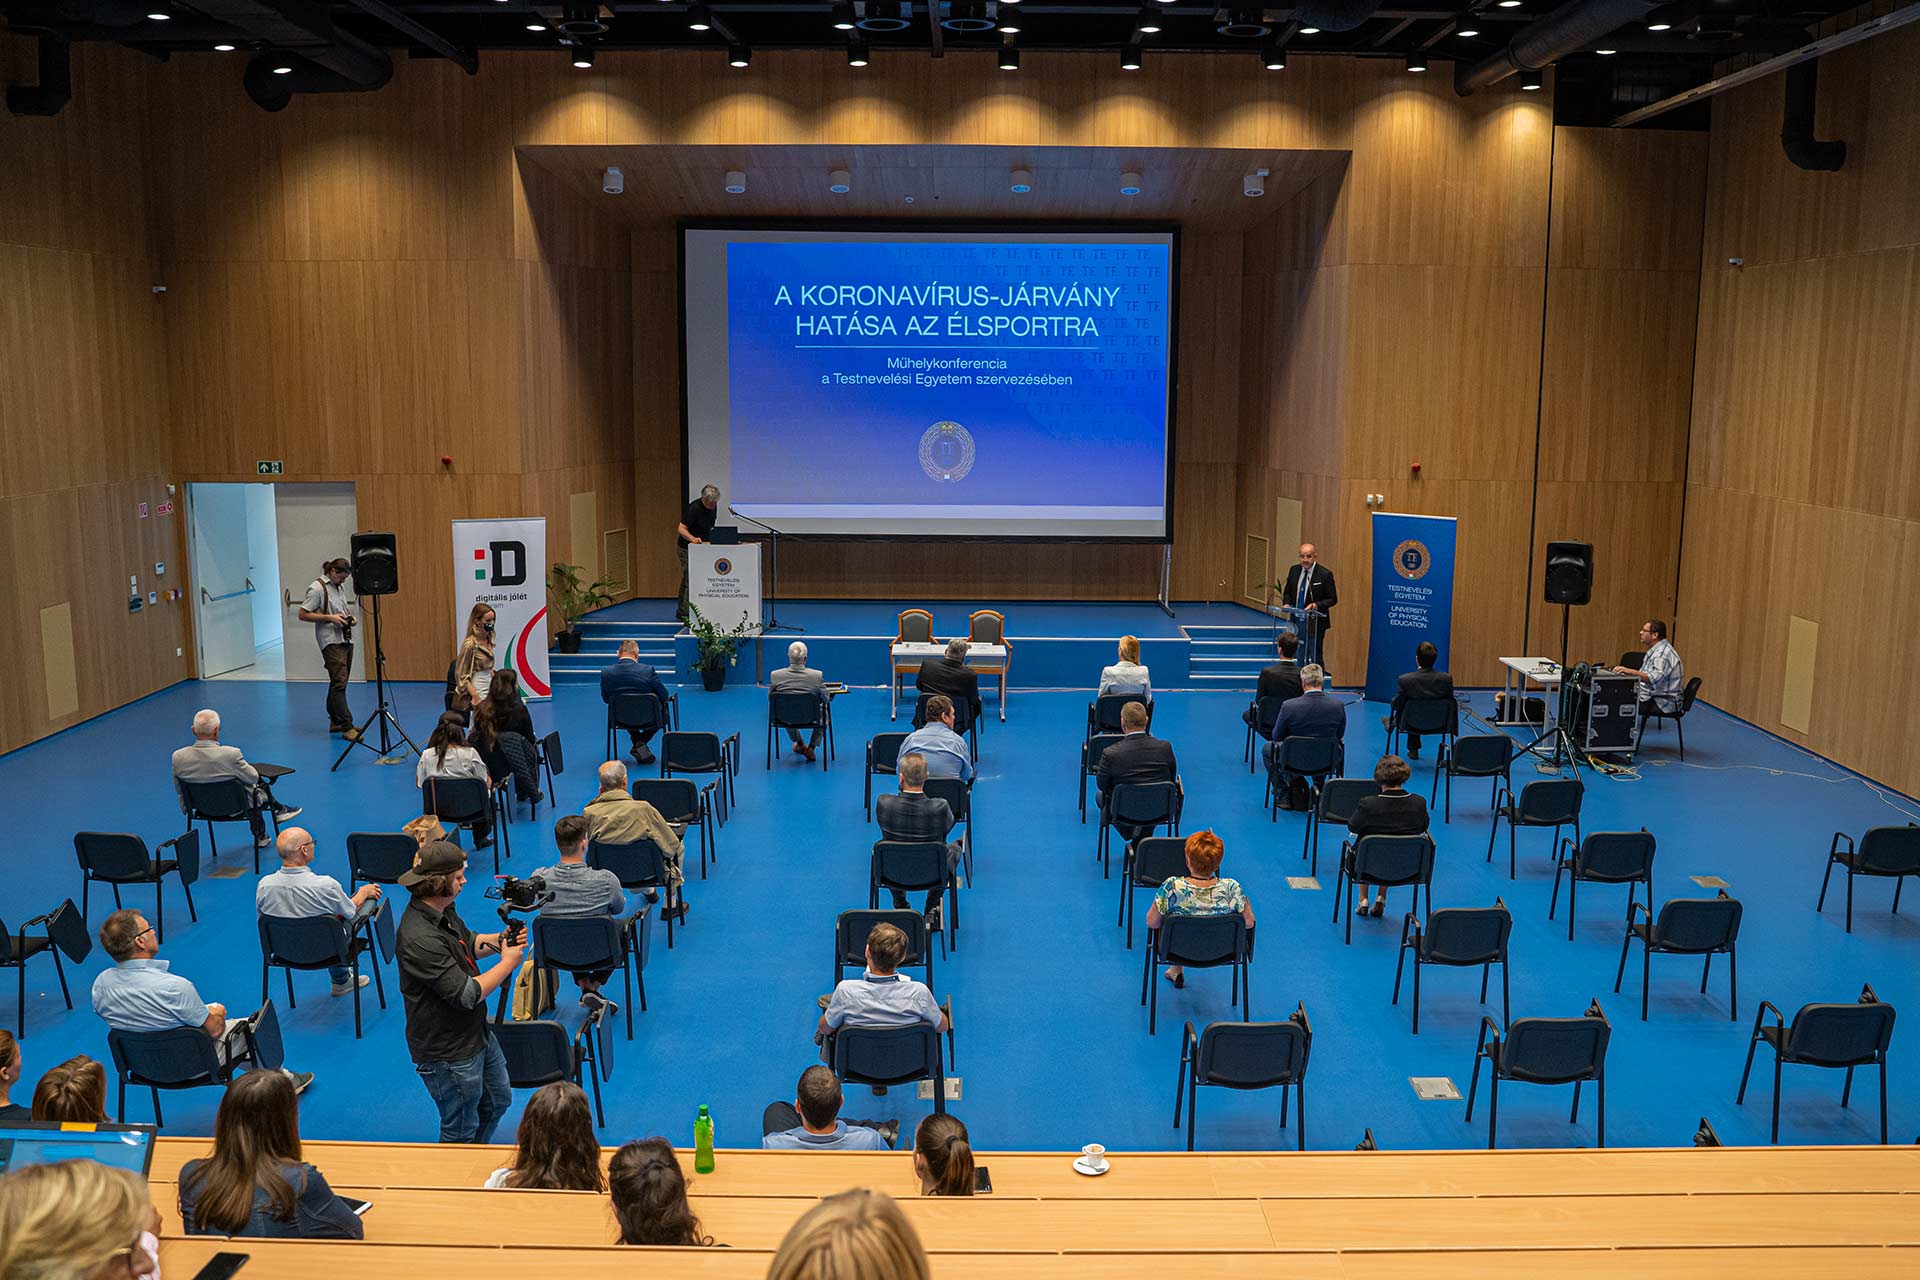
{"points": [[1615, 857], [910, 865], [1555, 1050], [1466, 935], [677, 799], [1201, 941], [1393, 860], [380, 857], [1254, 1055], [1692, 926], [460, 801], [115, 856], [1430, 716], [1340, 798], [1889, 851], [221, 800], [640, 865], [1549, 802], [1838, 1035], [1157, 859], [581, 943], [1480, 755], [305, 942]]}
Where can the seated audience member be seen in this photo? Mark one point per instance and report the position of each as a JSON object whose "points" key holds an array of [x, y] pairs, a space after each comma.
{"points": [[447, 755], [1393, 812], [1203, 891], [1314, 714], [945, 750], [949, 674], [256, 1183], [74, 1092], [296, 892], [1138, 758], [139, 994], [915, 817], [880, 997], [1127, 675], [1661, 672], [811, 1122], [615, 817], [10, 1068], [650, 1196], [855, 1235], [504, 711], [1279, 679], [942, 1157], [581, 890], [210, 760], [798, 677], [1423, 682], [555, 1148], [630, 675], [78, 1220]]}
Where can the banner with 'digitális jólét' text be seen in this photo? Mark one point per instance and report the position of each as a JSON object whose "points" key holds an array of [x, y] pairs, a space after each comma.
{"points": [[502, 563]]}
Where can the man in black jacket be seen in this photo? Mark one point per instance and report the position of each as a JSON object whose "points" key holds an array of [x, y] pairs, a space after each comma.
{"points": [[950, 675], [1394, 812], [1279, 680], [1424, 682], [914, 817], [1138, 757], [1310, 586]]}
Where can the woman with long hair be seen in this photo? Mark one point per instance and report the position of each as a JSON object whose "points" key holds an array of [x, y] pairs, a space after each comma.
{"points": [[650, 1196], [1127, 675], [502, 711], [447, 755], [942, 1157], [73, 1092], [856, 1235], [77, 1220], [255, 1182], [473, 668], [555, 1149]]}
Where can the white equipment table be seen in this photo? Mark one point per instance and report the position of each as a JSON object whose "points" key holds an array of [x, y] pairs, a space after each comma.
{"points": [[1521, 673], [906, 658]]}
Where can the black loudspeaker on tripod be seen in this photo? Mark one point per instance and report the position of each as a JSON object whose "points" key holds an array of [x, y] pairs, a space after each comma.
{"points": [[376, 572], [1566, 579]]}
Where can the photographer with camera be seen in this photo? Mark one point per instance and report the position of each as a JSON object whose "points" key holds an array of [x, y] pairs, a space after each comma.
{"points": [[572, 888], [327, 607], [446, 993]]}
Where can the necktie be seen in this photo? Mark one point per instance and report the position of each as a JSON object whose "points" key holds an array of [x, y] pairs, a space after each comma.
{"points": [[1306, 577]]}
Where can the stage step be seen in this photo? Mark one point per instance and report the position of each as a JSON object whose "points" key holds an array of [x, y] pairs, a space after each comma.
{"points": [[1227, 657], [600, 645]]}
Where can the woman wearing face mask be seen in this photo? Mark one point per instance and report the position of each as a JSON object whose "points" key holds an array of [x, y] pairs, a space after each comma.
{"points": [[473, 669], [77, 1220]]}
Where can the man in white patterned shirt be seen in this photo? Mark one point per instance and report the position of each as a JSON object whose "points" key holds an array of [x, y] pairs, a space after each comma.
{"points": [[1661, 672]]}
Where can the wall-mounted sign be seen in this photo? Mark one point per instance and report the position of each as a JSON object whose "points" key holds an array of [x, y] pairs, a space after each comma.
{"points": [[273, 467]]}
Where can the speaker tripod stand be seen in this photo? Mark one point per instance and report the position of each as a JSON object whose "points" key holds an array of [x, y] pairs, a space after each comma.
{"points": [[1563, 744], [381, 712]]}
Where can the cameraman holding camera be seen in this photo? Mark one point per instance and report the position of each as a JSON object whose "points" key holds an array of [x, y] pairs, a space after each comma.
{"points": [[326, 607], [445, 992], [572, 888]]}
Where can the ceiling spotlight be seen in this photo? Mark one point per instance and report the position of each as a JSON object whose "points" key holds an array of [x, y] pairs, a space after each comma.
{"points": [[882, 16], [698, 17], [1606, 53], [283, 68], [583, 56], [1309, 31], [1244, 24], [1130, 56], [1148, 23], [839, 182], [1130, 182], [1009, 19], [613, 182], [1273, 57], [856, 53], [1531, 81], [160, 15], [736, 182], [1020, 181], [1009, 56], [843, 16], [1467, 33], [536, 26], [1254, 183], [1416, 62], [223, 48], [1659, 26], [738, 55], [1509, 4]]}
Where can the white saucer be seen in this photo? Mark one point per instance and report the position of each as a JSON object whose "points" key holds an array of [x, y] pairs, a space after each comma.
{"points": [[1081, 1166]]}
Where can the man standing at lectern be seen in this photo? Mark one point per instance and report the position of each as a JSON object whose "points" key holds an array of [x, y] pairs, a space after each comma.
{"points": [[1310, 586], [696, 522]]}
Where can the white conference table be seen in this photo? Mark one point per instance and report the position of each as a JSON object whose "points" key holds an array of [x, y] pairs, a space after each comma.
{"points": [[907, 658], [1522, 673]]}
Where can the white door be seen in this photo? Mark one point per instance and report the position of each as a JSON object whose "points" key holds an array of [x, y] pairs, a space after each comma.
{"points": [[314, 523], [222, 595]]}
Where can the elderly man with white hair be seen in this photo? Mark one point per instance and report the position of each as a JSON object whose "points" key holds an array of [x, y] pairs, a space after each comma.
{"points": [[616, 817], [210, 760], [798, 677]]}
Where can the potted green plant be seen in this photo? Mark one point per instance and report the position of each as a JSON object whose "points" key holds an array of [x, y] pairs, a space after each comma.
{"points": [[571, 598], [715, 650]]}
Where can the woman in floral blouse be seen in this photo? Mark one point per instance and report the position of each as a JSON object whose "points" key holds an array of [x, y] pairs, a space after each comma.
{"points": [[1203, 891]]}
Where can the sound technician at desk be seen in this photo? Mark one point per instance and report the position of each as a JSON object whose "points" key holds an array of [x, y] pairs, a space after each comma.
{"points": [[1661, 672]]}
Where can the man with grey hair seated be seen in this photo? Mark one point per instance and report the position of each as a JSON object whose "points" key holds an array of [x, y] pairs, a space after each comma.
{"points": [[914, 817], [798, 677], [1314, 714], [949, 674], [210, 760], [615, 817]]}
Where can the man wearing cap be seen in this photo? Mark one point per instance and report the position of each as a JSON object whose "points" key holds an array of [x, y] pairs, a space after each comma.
{"points": [[446, 997], [327, 607]]}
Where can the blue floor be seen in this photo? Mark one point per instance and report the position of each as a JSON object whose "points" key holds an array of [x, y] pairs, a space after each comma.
{"points": [[1053, 1044]]}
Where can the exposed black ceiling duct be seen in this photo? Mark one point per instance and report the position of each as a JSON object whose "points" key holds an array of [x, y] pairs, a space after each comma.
{"points": [[272, 89], [1796, 126], [327, 59], [55, 89], [1335, 15], [1546, 40]]}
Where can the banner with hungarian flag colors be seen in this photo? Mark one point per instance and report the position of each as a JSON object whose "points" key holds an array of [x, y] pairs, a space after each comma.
{"points": [[502, 563]]}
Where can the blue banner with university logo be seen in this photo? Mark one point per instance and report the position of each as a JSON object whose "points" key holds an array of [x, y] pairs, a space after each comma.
{"points": [[1412, 596]]}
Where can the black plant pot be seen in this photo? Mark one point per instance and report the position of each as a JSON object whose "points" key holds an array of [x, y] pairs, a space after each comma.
{"points": [[713, 678], [567, 641]]}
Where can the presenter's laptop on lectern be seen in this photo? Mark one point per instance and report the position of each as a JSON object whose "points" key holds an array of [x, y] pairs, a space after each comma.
{"points": [[123, 1146], [725, 535]]}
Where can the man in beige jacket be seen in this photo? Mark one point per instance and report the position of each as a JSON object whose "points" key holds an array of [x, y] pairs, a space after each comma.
{"points": [[615, 817]]}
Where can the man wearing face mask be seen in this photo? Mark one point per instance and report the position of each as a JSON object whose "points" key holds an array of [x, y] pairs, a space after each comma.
{"points": [[328, 607]]}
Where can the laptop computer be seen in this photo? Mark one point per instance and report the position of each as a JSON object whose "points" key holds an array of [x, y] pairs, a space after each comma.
{"points": [[123, 1146], [726, 535]]}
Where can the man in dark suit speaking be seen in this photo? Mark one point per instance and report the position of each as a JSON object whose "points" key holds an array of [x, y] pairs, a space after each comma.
{"points": [[1309, 586], [1138, 757], [950, 675], [630, 675]]}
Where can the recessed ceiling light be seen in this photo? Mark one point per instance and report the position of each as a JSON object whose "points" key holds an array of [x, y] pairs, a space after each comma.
{"points": [[839, 182], [1467, 33], [1020, 181], [736, 182], [1659, 26], [1606, 53], [1009, 26], [1509, 4], [284, 69], [1130, 184], [1309, 31], [223, 48], [160, 15], [536, 26]]}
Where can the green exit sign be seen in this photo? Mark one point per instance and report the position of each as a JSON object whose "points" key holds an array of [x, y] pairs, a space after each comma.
{"points": [[273, 468]]}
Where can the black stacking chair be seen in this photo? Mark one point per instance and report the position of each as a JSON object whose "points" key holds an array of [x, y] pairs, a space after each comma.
{"points": [[308, 943], [1103, 713], [850, 932], [1336, 803], [554, 760], [116, 858], [639, 713], [1428, 717], [1312, 759], [694, 752], [1686, 927], [1459, 937], [1842, 1036], [799, 709], [1890, 852], [1547, 802], [1143, 806], [224, 800], [1090, 752], [1651, 711], [65, 931], [1150, 862], [1246, 1055], [1386, 862], [1473, 755], [1265, 712], [1604, 857], [963, 722], [883, 758], [464, 803], [378, 857], [1633, 658], [1544, 1051], [680, 800], [893, 1055], [916, 866], [641, 865], [1199, 942], [588, 944], [185, 1058], [958, 793], [543, 1051]]}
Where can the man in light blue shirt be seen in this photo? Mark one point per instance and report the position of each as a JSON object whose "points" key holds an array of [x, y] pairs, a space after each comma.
{"points": [[945, 751], [1661, 672], [576, 889], [296, 892], [880, 997], [811, 1122]]}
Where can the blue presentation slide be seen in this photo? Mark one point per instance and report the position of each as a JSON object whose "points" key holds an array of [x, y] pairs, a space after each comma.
{"points": [[1018, 383]]}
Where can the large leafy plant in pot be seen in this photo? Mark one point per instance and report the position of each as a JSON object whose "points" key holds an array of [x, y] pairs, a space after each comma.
{"points": [[715, 650], [571, 598]]}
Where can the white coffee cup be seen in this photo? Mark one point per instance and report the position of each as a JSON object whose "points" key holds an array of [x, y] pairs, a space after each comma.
{"points": [[1095, 1155]]}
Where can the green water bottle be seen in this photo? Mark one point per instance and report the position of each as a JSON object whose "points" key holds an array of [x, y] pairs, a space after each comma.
{"points": [[703, 1141]]}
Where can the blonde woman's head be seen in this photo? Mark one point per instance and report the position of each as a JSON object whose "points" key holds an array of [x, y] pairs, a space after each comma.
{"points": [[75, 1220], [856, 1235]]}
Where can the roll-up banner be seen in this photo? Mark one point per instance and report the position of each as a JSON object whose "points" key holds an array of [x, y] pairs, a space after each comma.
{"points": [[502, 563], [1412, 596]]}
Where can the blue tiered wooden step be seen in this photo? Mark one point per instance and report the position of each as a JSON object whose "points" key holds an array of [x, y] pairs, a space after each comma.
{"points": [[600, 640], [1227, 657]]}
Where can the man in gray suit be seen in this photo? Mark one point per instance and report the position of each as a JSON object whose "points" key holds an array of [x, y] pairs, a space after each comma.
{"points": [[209, 760], [798, 677]]}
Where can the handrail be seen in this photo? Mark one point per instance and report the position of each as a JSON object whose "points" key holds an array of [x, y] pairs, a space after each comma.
{"points": [[231, 595]]}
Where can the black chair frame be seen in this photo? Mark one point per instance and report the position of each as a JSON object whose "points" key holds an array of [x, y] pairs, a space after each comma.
{"points": [[1195, 1053], [1576, 862], [1654, 936], [1785, 1049], [348, 950], [1857, 863], [1494, 1053], [1426, 951], [1448, 765], [1352, 874], [154, 869], [1513, 810], [1162, 947]]}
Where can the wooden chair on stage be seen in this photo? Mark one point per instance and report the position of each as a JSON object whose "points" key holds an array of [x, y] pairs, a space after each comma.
{"points": [[989, 626], [916, 627]]}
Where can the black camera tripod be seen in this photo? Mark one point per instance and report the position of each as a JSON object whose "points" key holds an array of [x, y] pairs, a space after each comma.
{"points": [[381, 712]]}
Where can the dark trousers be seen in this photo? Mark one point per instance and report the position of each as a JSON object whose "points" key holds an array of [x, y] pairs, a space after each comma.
{"points": [[779, 1117], [339, 660], [681, 612]]}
